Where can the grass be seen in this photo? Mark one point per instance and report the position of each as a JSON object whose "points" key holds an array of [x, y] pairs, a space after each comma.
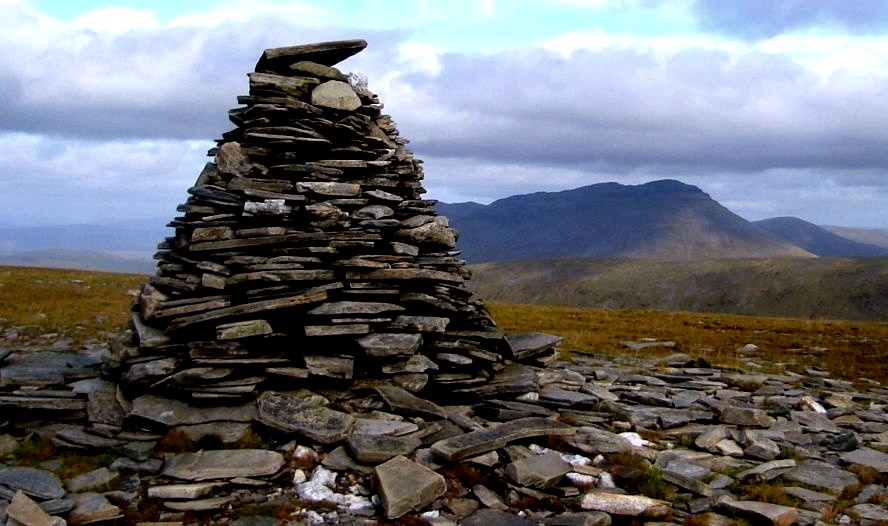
{"points": [[74, 304], [85, 306], [847, 349]]}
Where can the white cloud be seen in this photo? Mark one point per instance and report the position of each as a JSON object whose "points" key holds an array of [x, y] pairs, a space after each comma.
{"points": [[115, 20]]}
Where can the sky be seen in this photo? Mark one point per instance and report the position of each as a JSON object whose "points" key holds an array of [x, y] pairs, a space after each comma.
{"points": [[774, 108]]}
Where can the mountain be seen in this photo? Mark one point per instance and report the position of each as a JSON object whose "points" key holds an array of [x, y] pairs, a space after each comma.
{"points": [[123, 247], [134, 238], [818, 240], [869, 236], [826, 288], [124, 262], [666, 220]]}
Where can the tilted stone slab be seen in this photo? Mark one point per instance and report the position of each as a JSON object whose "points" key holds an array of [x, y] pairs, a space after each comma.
{"points": [[311, 296], [400, 400], [459, 447], [222, 464], [290, 413], [406, 486]]}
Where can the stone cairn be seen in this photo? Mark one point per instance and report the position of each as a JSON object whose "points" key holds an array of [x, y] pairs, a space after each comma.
{"points": [[306, 255]]}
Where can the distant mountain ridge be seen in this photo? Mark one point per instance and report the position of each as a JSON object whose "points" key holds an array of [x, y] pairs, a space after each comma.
{"points": [[818, 240], [661, 220], [664, 220]]}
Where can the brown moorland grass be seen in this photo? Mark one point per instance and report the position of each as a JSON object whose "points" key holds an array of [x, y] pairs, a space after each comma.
{"points": [[75, 304], [847, 349], [85, 306]]}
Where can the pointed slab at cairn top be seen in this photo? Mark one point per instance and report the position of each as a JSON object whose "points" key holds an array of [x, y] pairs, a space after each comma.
{"points": [[306, 257]]}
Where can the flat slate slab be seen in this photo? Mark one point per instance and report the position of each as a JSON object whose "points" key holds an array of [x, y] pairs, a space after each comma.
{"points": [[290, 413], [223, 464], [819, 474], [324, 53], [379, 448], [629, 505], [172, 412], [35, 483], [867, 457], [762, 511], [459, 447]]}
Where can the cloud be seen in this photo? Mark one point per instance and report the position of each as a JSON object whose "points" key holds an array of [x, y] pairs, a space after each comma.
{"points": [[83, 80], [755, 19], [624, 110]]}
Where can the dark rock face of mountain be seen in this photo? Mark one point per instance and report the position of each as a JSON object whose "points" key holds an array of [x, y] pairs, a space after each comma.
{"points": [[818, 240], [659, 220]]}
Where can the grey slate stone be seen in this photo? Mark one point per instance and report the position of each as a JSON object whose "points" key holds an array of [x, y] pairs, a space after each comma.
{"points": [[400, 400], [538, 471], [290, 413], [490, 517], [171, 412], [528, 344], [629, 505], [35, 483], [586, 518], [222, 464], [773, 514], [594, 441], [476, 442], [374, 449], [746, 416], [819, 474], [390, 344], [406, 486], [767, 470], [867, 457]]}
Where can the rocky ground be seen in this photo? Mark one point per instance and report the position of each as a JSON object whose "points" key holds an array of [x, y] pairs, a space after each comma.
{"points": [[590, 441]]}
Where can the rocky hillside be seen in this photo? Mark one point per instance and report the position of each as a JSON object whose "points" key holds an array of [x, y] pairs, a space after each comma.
{"points": [[585, 441], [666, 220], [799, 287]]}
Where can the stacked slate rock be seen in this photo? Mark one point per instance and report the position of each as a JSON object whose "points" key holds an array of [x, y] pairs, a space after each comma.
{"points": [[306, 255]]}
